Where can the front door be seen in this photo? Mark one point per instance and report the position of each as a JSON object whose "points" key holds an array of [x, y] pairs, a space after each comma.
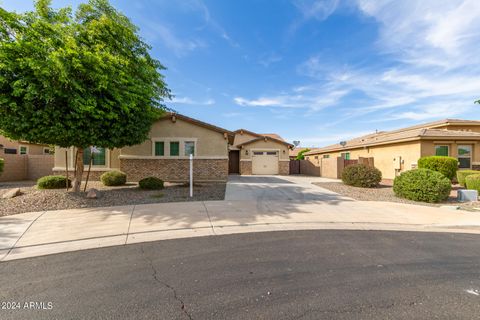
{"points": [[234, 161]]}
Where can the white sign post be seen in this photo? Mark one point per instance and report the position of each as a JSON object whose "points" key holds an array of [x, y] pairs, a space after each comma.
{"points": [[191, 175]]}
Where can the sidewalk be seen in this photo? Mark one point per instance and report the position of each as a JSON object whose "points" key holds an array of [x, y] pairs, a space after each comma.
{"points": [[41, 233]]}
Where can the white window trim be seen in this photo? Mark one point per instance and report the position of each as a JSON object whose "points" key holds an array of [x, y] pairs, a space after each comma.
{"points": [[442, 145], [20, 146], [181, 151]]}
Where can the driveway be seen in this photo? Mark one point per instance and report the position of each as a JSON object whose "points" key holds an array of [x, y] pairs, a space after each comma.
{"points": [[280, 188]]}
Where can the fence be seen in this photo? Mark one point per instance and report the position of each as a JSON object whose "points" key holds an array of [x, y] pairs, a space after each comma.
{"points": [[328, 167], [26, 167]]}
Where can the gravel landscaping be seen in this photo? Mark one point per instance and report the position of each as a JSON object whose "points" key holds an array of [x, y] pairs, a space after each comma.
{"points": [[385, 193], [33, 199]]}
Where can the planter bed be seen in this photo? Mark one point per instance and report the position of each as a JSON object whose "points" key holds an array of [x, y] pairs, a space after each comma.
{"points": [[385, 193], [33, 199]]}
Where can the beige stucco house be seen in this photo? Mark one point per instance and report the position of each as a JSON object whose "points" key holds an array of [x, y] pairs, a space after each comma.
{"points": [[8, 146], [165, 154], [399, 150], [256, 153]]}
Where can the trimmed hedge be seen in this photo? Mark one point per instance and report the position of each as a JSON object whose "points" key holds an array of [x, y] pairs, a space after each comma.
{"points": [[2, 163], [151, 183], [53, 182], [422, 185], [113, 178], [447, 166], [462, 174], [473, 182], [360, 175]]}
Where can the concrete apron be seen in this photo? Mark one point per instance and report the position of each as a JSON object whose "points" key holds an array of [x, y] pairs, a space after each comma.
{"points": [[49, 232]]}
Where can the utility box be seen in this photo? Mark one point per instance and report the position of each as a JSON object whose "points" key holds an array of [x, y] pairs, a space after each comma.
{"points": [[467, 195]]}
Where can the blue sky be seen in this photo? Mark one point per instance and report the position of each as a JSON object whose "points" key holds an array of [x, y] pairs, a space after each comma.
{"points": [[318, 71]]}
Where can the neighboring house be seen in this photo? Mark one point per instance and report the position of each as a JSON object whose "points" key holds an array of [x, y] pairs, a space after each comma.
{"points": [[257, 153], [294, 152], [165, 154], [399, 150], [8, 146]]}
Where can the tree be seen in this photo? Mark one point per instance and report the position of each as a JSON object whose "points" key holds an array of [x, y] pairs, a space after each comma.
{"points": [[300, 155], [77, 80]]}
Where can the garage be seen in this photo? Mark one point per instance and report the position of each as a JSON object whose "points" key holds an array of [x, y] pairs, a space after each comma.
{"points": [[264, 162]]}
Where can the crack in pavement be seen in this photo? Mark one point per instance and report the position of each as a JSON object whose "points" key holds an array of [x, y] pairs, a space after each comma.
{"points": [[154, 275]]}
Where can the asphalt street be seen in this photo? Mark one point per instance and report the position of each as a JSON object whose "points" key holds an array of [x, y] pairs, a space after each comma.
{"points": [[326, 274]]}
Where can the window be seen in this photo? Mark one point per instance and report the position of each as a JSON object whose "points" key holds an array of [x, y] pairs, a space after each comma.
{"points": [[272, 153], [465, 156], [326, 156], [441, 151], [159, 148], [10, 151], [174, 148], [98, 158], [316, 157], [346, 155], [46, 151], [23, 149], [189, 148], [258, 153]]}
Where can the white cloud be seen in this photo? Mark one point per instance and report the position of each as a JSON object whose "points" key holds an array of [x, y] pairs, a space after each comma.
{"points": [[318, 100], [316, 9], [190, 101], [327, 138]]}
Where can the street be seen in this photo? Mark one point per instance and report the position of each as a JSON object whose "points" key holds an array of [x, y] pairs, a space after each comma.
{"points": [[320, 274]]}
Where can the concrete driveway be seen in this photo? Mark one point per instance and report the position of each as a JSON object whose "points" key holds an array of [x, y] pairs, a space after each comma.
{"points": [[282, 188]]}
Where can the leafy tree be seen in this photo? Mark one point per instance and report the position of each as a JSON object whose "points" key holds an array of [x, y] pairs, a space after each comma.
{"points": [[300, 155], [77, 79]]}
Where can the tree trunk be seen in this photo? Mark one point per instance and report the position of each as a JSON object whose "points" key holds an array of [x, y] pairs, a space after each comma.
{"points": [[78, 170]]}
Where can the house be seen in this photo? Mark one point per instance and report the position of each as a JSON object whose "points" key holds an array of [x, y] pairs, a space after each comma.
{"points": [[8, 146], [257, 153], [165, 154], [399, 150]]}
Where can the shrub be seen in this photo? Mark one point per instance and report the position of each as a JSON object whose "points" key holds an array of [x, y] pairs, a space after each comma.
{"points": [[462, 174], [445, 165], [473, 182], [2, 163], [151, 183], [113, 178], [422, 185], [53, 182], [300, 155], [360, 175]]}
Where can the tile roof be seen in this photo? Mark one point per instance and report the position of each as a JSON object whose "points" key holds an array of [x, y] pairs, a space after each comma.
{"points": [[411, 133]]}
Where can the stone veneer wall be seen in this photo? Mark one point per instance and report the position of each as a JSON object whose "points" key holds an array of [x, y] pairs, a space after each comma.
{"points": [[284, 168], [245, 167], [176, 170]]}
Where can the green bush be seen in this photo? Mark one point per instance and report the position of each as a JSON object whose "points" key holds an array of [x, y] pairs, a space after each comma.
{"points": [[473, 182], [447, 166], [113, 178], [2, 163], [300, 155], [462, 174], [53, 182], [151, 183], [422, 185], [360, 175]]}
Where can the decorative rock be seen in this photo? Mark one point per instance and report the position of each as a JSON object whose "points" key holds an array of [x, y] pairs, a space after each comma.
{"points": [[467, 195], [12, 193], [92, 193]]}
